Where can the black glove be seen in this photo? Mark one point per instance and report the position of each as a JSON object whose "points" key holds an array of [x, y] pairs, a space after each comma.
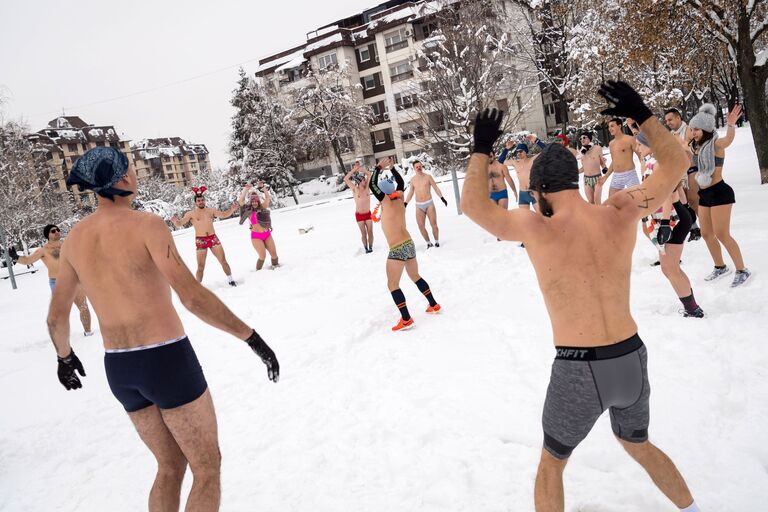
{"points": [[487, 130], [66, 371], [266, 354], [605, 170], [444, 201], [626, 101], [665, 232], [405, 203]]}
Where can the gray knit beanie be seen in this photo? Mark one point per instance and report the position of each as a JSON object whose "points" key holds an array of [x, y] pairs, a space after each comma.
{"points": [[705, 119]]}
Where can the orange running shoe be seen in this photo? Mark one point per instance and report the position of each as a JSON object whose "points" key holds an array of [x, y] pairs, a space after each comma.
{"points": [[433, 310], [403, 325]]}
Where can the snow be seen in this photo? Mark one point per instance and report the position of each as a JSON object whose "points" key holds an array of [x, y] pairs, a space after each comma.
{"points": [[445, 417], [282, 60], [293, 63], [335, 38]]}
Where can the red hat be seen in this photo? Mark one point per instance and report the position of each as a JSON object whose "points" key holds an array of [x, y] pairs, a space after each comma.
{"points": [[564, 138]]}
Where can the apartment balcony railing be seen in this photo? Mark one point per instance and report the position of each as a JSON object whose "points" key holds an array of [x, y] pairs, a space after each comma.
{"points": [[396, 46], [401, 76]]}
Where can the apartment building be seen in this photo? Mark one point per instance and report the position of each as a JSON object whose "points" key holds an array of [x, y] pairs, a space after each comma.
{"points": [[65, 139], [381, 46], [172, 159]]}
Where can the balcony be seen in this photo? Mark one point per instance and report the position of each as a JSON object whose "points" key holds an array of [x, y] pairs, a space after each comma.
{"points": [[416, 134], [401, 76], [406, 102], [383, 146], [374, 91], [396, 46], [381, 118]]}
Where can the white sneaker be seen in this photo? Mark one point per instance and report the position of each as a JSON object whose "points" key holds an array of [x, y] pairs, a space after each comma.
{"points": [[740, 277], [718, 273]]}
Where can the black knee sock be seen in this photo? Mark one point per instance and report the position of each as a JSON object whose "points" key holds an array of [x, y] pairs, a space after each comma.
{"points": [[424, 289], [399, 297], [689, 303]]}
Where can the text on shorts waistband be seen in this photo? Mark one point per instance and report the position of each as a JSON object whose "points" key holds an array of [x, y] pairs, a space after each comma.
{"points": [[603, 352]]}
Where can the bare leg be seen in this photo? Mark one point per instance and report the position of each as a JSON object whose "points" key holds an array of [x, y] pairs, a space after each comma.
{"points": [[218, 251], [171, 463], [421, 218], [261, 250], [412, 267], [708, 234], [662, 471], [432, 216], [670, 266], [202, 254], [590, 192], [194, 428], [369, 230], [269, 243], [721, 225], [85, 313], [548, 493], [693, 192], [394, 273], [612, 191], [363, 233]]}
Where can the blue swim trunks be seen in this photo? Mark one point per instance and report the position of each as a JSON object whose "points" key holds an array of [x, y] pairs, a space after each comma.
{"points": [[525, 198], [499, 195], [52, 284]]}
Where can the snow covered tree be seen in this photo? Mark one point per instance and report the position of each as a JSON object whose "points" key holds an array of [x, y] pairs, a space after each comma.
{"points": [[263, 145], [27, 193], [468, 64], [330, 111]]}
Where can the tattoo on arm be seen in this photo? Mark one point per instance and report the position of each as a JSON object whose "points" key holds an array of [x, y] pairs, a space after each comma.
{"points": [[640, 195], [172, 252]]}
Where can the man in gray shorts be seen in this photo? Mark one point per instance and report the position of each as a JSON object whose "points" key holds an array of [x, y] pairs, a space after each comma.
{"points": [[582, 255]]}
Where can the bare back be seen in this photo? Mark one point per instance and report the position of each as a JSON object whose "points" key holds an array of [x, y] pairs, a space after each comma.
{"points": [[584, 274], [131, 297], [622, 153], [393, 221]]}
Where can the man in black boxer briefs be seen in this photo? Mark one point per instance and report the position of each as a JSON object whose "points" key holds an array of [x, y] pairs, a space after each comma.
{"points": [[582, 255], [126, 262]]}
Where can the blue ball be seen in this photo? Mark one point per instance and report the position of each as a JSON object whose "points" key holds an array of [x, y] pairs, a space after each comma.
{"points": [[388, 186]]}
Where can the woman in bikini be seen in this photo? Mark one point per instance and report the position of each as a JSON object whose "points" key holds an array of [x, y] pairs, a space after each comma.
{"points": [[257, 212]]}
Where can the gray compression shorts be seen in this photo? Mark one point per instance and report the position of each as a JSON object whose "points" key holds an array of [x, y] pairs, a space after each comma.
{"points": [[587, 381]]}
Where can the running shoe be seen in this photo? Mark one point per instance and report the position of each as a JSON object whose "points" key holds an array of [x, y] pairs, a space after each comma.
{"points": [[403, 325], [718, 272], [695, 235], [740, 277], [656, 263], [437, 244], [88, 333], [433, 310], [232, 284], [696, 313], [429, 244]]}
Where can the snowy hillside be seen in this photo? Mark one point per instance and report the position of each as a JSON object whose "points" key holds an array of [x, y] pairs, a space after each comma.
{"points": [[445, 417]]}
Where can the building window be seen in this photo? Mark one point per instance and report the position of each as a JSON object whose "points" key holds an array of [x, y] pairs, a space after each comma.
{"points": [[114, 145], [346, 144], [395, 40], [72, 148], [364, 54], [411, 130], [400, 71], [369, 82], [325, 61], [403, 101], [426, 30], [192, 156], [381, 137], [100, 144]]}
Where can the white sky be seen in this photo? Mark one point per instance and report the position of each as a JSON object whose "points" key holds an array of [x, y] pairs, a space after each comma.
{"points": [[56, 54]]}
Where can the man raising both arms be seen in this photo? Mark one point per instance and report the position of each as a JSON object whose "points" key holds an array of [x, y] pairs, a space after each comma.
{"points": [[49, 254], [623, 148], [582, 255], [127, 263], [402, 251], [422, 185], [357, 179], [205, 236]]}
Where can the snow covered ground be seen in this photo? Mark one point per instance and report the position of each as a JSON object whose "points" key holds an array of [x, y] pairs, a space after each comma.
{"points": [[445, 417]]}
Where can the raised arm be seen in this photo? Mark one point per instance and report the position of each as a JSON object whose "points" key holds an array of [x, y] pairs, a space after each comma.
{"points": [[504, 224], [35, 256], [348, 177], [227, 214], [733, 116], [267, 197], [195, 297], [644, 199], [183, 221], [245, 191]]}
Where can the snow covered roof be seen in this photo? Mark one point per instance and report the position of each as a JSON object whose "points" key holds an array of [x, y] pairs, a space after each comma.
{"points": [[397, 14], [147, 149], [293, 63], [292, 57], [327, 41], [67, 122]]}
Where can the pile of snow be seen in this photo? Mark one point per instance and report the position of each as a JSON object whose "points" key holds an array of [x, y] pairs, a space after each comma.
{"points": [[445, 417]]}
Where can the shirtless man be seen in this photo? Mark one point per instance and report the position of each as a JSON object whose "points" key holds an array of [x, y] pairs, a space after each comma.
{"points": [[582, 255], [679, 128], [402, 251], [592, 164], [127, 263], [49, 254], [623, 148], [422, 185], [358, 179], [498, 178], [205, 236]]}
